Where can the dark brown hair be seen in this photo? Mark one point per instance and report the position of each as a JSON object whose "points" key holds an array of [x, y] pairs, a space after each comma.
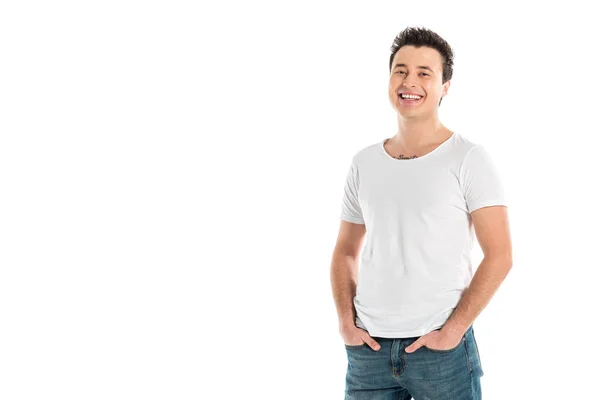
{"points": [[415, 36]]}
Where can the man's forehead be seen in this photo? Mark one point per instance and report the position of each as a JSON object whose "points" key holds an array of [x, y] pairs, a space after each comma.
{"points": [[402, 65], [430, 60]]}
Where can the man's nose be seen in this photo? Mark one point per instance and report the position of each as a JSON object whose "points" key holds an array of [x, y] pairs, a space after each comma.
{"points": [[409, 82]]}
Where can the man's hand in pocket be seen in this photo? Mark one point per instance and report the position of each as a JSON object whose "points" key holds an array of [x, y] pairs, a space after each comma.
{"points": [[354, 336]]}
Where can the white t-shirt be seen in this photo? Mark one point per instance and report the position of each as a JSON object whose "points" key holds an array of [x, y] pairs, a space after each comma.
{"points": [[416, 260]]}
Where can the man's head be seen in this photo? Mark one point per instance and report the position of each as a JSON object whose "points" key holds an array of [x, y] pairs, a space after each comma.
{"points": [[421, 63]]}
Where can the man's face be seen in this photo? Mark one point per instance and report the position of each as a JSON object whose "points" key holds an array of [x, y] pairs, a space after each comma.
{"points": [[408, 76]]}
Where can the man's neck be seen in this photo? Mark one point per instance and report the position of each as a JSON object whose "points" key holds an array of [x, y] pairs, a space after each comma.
{"points": [[416, 133]]}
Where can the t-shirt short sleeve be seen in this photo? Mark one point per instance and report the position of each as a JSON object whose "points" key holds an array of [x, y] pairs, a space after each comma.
{"points": [[480, 180], [351, 211]]}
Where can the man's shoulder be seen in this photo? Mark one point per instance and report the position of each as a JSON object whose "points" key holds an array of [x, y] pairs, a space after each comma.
{"points": [[366, 153], [463, 145], [470, 154], [465, 149]]}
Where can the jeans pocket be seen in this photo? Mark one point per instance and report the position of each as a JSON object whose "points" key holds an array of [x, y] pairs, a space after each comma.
{"points": [[474, 354], [452, 350], [354, 347]]}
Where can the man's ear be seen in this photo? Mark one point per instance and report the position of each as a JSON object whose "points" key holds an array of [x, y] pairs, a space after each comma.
{"points": [[445, 89]]}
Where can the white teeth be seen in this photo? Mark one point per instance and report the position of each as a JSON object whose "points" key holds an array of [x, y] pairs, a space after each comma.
{"points": [[410, 96]]}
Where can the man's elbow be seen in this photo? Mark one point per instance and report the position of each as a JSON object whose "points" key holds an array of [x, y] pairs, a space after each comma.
{"points": [[500, 261]]}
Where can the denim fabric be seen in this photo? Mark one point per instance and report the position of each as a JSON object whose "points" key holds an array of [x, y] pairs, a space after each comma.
{"points": [[425, 374]]}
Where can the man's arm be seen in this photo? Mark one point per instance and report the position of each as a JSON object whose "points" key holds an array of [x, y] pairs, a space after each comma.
{"points": [[493, 234], [344, 270]]}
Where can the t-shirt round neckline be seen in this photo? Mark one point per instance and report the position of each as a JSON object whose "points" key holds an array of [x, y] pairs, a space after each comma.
{"points": [[417, 159]]}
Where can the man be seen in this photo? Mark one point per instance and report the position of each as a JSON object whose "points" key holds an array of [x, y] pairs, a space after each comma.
{"points": [[406, 315]]}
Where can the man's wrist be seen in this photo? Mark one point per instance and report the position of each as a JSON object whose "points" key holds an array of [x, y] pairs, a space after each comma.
{"points": [[346, 323], [452, 329]]}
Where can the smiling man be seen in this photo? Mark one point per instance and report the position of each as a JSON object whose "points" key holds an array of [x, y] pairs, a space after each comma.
{"points": [[417, 200]]}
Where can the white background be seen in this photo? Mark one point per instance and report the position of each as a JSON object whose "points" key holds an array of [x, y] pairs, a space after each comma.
{"points": [[171, 177]]}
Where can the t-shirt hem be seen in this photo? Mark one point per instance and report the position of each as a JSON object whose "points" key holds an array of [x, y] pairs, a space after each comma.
{"points": [[487, 204], [398, 335], [352, 219]]}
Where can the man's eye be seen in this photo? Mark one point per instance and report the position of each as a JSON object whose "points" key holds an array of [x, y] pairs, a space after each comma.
{"points": [[401, 72]]}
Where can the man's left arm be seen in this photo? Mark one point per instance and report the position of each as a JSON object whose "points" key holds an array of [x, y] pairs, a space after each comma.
{"points": [[493, 234]]}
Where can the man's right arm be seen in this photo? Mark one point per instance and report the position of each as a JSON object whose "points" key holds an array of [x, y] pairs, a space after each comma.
{"points": [[344, 271]]}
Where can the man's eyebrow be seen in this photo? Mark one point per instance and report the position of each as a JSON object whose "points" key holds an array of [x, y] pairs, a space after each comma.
{"points": [[418, 66]]}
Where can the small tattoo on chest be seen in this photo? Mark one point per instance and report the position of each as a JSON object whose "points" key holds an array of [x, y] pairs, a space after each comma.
{"points": [[401, 157]]}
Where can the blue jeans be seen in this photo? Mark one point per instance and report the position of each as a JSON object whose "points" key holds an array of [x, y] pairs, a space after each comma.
{"points": [[425, 374]]}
